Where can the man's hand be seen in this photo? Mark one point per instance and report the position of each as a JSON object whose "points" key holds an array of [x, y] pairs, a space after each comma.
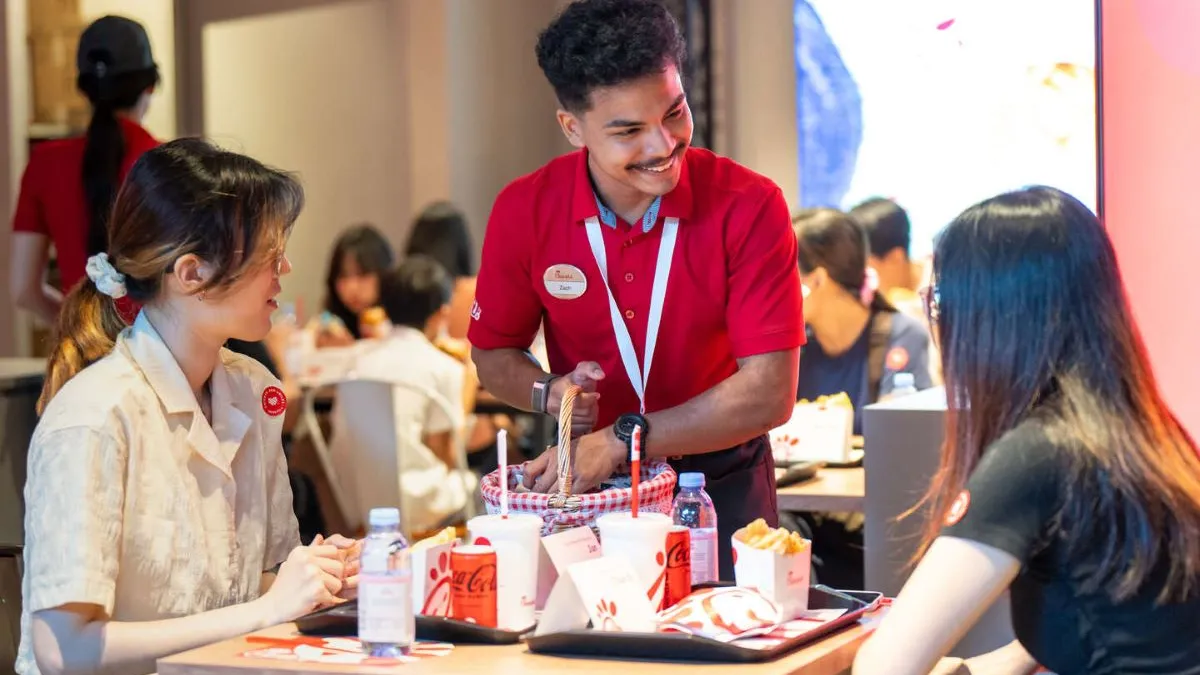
{"points": [[597, 456], [587, 405]]}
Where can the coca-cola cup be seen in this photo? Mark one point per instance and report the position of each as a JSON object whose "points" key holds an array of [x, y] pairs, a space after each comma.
{"points": [[516, 539], [642, 541], [679, 565], [473, 595]]}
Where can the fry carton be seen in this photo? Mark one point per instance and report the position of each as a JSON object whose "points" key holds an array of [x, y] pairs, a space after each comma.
{"points": [[431, 573], [775, 562], [818, 431]]}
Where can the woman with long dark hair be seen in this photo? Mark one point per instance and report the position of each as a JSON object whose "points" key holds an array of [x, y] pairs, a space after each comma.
{"points": [[441, 233], [1064, 479], [69, 186], [361, 254]]}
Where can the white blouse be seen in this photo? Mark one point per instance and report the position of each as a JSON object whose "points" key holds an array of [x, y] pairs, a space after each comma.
{"points": [[135, 503]]}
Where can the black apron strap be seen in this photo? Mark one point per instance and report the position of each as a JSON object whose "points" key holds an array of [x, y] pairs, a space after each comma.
{"points": [[741, 482]]}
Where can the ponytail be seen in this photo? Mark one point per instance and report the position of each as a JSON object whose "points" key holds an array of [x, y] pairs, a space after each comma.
{"points": [[87, 330], [104, 153], [102, 157]]}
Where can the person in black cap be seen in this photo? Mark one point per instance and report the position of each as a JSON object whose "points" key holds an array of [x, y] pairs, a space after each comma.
{"points": [[69, 185]]}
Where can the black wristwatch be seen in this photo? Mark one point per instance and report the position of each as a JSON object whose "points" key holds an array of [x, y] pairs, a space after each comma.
{"points": [[541, 392], [623, 429]]}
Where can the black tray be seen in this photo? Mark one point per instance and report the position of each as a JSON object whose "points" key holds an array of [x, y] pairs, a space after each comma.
{"points": [[342, 620], [684, 647]]}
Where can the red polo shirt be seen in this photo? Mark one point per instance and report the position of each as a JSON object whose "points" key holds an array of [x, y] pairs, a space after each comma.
{"points": [[52, 200], [734, 288]]}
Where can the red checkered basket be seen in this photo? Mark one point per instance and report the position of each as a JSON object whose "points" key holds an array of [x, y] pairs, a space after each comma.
{"points": [[564, 510]]}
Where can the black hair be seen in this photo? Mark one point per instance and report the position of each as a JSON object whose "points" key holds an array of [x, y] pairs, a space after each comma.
{"points": [[833, 240], [602, 43], [1034, 323], [183, 197], [415, 291], [104, 152], [886, 224], [441, 233], [371, 250]]}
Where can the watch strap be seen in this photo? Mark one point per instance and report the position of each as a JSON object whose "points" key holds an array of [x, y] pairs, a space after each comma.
{"points": [[540, 395]]}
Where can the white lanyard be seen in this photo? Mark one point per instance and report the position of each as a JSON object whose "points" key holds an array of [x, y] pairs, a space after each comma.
{"points": [[658, 293]]}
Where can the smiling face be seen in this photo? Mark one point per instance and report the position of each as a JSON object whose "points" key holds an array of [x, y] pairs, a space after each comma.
{"points": [[636, 134], [240, 310]]}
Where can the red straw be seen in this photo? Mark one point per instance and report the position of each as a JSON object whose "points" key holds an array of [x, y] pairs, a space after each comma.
{"points": [[636, 459]]}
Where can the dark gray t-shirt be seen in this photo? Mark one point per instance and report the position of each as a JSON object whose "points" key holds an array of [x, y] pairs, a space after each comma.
{"points": [[825, 375]]}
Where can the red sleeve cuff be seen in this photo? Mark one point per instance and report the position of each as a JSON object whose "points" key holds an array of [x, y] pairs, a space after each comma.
{"points": [[783, 339], [482, 337]]}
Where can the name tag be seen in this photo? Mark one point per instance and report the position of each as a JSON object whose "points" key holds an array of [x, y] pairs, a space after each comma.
{"points": [[565, 282]]}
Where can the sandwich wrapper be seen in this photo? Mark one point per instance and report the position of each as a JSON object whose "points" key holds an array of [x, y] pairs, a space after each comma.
{"points": [[722, 614], [783, 579]]}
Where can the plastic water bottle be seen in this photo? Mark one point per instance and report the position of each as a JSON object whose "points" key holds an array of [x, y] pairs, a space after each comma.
{"points": [[386, 627], [693, 509], [903, 384]]}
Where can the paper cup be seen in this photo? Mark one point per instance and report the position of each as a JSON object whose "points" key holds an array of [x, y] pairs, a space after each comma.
{"points": [[643, 541], [517, 540]]}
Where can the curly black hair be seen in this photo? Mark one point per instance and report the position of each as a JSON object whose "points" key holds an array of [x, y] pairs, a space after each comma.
{"points": [[602, 43]]}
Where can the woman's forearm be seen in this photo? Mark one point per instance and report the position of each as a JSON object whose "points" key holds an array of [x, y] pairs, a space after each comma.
{"points": [[72, 639]]}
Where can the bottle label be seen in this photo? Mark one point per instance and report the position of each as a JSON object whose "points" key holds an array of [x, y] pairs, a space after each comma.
{"points": [[704, 556], [385, 608]]}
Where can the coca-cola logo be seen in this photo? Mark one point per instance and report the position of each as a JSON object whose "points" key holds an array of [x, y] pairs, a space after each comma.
{"points": [[679, 555], [482, 579]]}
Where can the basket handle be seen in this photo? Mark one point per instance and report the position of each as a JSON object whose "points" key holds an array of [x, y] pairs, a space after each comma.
{"points": [[565, 411]]}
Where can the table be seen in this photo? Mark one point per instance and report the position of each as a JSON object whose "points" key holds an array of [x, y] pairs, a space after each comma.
{"points": [[830, 490], [830, 656]]}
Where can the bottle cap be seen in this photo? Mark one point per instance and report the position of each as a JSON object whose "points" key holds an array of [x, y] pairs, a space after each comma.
{"points": [[384, 516], [692, 479], [903, 381]]}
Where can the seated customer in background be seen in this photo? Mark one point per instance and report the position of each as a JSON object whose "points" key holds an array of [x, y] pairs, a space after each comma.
{"points": [[1065, 480], [416, 298], [361, 254], [441, 233], [857, 341], [159, 516], [889, 234]]}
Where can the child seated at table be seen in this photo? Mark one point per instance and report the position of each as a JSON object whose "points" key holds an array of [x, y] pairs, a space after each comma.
{"points": [[429, 413], [159, 514]]}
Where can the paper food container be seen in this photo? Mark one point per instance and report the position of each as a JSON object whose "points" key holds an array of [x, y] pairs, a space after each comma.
{"points": [[820, 431], [431, 579], [783, 579]]}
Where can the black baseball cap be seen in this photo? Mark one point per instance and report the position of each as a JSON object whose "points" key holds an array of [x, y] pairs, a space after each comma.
{"points": [[114, 45]]}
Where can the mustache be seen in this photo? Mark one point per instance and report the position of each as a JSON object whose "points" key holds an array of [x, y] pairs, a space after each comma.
{"points": [[675, 154]]}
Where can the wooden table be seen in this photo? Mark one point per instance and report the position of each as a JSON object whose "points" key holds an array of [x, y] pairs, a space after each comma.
{"points": [[830, 490], [829, 656]]}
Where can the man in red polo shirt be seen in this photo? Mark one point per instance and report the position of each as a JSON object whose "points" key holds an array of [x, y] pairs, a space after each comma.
{"points": [[637, 252]]}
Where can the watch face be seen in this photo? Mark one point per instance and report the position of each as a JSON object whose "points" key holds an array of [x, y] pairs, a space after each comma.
{"points": [[626, 424]]}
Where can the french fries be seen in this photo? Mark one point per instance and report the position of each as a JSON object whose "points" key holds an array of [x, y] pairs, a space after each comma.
{"points": [[444, 537], [840, 399], [759, 535]]}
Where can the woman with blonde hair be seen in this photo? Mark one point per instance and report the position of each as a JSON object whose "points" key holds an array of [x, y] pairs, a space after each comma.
{"points": [[159, 514]]}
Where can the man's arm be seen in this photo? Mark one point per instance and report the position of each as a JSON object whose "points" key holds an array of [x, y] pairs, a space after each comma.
{"points": [[513, 372], [757, 398], [507, 374]]}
